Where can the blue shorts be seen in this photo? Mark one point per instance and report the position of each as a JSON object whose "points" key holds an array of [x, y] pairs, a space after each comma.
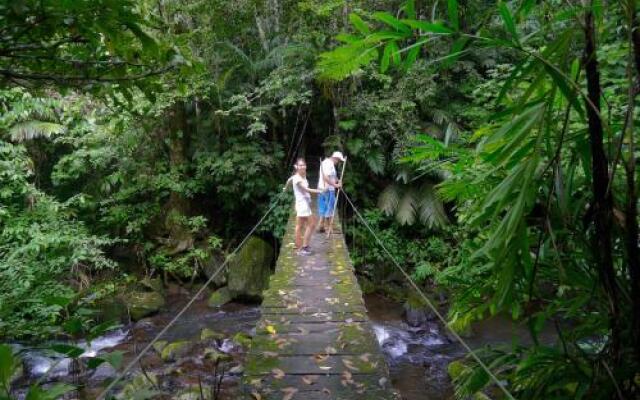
{"points": [[326, 200]]}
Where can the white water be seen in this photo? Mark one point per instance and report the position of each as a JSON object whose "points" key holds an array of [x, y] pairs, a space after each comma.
{"points": [[395, 341], [38, 362]]}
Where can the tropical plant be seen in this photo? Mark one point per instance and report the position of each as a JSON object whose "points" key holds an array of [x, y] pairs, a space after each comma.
{"points": [[543, 169]]}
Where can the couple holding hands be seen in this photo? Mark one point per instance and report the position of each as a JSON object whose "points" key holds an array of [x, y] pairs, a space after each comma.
{"points": [[328, 182]]}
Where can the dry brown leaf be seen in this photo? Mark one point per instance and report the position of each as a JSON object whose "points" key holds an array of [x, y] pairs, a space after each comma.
{"points": [[278, 373], [288, 393], [256, 395], [309, 380], [349, 364], [365, 357]]}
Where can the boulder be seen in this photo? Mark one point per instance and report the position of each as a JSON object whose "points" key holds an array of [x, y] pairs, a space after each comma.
{"points": [[142, 304], [103, 372], [220, 297], [152, 284], [249, 270], [175, 350], [210, 266], [416, 311]]}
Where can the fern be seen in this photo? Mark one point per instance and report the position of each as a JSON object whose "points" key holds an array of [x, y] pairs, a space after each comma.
{"points": [[25, 131]]}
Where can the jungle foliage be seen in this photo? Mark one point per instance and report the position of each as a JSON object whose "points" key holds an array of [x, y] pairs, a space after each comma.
{"points": [[491, 145]]}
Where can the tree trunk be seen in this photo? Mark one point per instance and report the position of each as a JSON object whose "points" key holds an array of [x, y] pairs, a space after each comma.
{"points": [[178, 206], [602, 200], [631, 210]]}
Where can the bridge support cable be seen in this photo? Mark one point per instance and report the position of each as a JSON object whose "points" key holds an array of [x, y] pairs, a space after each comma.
{"points": [[429, 303], [175, 319]]}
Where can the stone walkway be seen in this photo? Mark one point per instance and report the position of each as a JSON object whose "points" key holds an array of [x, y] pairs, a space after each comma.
{"points": [[314, 340]]}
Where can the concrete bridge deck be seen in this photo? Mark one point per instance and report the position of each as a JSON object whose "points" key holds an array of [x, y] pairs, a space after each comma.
{"points": [[314, 340]]}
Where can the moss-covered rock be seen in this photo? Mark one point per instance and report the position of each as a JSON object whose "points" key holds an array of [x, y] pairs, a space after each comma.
{"points": [[152, 284], [175, 350], [209, 334], [210, 265], [242, 339], [250, 269], [159, 345], [455, 369], [142, 304], [215, 355], [220, 297]]}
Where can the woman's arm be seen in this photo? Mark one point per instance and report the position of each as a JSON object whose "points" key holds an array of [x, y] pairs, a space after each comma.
{"points": [[286, 185], [308, 190]]}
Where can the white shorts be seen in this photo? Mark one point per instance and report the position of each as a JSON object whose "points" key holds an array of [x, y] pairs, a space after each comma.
{"points": [[303, 209]]}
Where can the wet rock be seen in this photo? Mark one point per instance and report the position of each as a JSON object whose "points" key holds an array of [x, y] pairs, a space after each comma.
{"points": [[237, 370], [210, 334], [102, 373], [220, 297], [175, 350], [415, 317], [416, 311], [250, 269], [142, 304]]}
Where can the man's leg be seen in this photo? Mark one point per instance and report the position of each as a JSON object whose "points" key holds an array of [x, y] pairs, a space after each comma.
{"points": [[321, 210], [331, 200]]}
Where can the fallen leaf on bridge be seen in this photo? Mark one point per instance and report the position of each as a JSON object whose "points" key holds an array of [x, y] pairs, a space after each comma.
{"points": [[278, 373], [288, 393]]}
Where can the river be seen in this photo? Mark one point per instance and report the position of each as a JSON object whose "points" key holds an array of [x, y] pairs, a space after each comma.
{"points": [[417, 355]]}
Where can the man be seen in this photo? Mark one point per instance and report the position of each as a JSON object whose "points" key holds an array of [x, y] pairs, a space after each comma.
{"points": [[327, 183]]}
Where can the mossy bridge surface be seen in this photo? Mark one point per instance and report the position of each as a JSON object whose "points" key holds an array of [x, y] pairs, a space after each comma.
{"points": [[314, 339]]}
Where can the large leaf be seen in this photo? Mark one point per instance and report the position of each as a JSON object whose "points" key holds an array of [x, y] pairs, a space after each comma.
{"points": [[509, 24], [391, 21], [359, 23], [430, 27], [452, 10], [8, 365]]}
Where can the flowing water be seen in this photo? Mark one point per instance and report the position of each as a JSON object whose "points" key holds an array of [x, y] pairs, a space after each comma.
{"points": [[417, 354]]}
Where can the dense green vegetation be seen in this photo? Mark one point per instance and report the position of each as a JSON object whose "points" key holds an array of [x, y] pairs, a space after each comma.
{"points": [[491, 144]]}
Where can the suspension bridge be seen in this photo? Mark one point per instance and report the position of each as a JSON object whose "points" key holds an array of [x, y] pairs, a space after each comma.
{"points": [[314, 340]]}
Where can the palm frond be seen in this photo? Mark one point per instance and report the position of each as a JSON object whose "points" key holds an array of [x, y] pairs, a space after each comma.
{"points": [[431, 209], [29, 130], [376, 161], [406, 211], [389, 199]]}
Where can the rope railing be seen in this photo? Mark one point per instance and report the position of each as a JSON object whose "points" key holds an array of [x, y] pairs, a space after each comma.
{"points": [[164, 330], [429, 303]]}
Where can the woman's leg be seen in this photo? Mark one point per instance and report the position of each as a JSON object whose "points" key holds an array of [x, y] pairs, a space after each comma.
{"points": [[311, 225], [299, 231]]}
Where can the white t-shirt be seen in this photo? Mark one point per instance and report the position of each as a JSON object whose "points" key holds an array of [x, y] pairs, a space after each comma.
{"points": [[329, 169], [301, 196]]}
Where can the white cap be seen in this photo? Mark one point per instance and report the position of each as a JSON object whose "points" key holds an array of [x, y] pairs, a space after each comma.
{"points": [[338, 155]]}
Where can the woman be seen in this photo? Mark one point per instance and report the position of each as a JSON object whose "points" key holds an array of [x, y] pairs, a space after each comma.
{"points": [[305, 221]]}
